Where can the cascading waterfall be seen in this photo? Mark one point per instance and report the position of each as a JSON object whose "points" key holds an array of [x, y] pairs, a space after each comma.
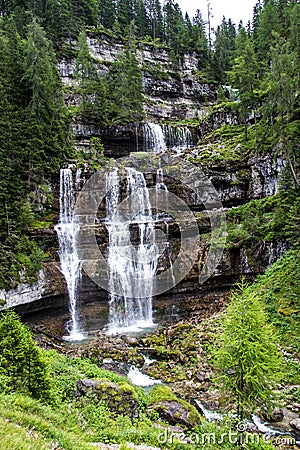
{"points": [[70, 263], [177, 138], [132, 268], [161, 193], [154, 139], [158, 138]]}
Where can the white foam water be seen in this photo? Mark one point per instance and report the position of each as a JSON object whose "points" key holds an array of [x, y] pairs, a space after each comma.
{"points": [[131, 268], [70, 264], [138, 378]]}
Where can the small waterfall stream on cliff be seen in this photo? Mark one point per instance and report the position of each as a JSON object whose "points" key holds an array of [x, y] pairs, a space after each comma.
{"points": [[177, 139], [70, 263], [131, 267], [154, 139], [159, 138]]}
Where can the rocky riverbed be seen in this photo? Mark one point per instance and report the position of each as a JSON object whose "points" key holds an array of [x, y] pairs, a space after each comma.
{"points": [[179, 355]]}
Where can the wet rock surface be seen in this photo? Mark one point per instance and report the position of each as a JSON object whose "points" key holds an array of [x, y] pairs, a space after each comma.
{"points": [[119, 397], [175, 413]]}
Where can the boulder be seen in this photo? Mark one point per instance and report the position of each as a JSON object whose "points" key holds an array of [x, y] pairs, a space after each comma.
{"points": [[295, 424], [176, 412], [276, 415], [119, 397], [171, 409]]}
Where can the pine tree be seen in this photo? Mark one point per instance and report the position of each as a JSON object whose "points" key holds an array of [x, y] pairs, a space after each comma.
{"points": [[200, 42], [107, 13], [224, 50], [155, 18], [247, 356], [125, 88], [45, 123], [282, 85], [244, 74], [21, 363], [175, 31], [46, 101], [268, 22]]}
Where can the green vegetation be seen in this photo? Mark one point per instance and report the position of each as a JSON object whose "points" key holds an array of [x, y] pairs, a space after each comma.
{"points": [[22, 366], [259, 221], [73, 422], [279, 290], [68, 421], [247, 356]]}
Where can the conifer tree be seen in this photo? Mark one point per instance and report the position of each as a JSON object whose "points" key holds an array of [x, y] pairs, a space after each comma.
{"points": [[224, 49], [200, 42], [92, 88], [247, 356], [45, 127], [244, 74], [21, 364], [282, 85], [125, 88]]}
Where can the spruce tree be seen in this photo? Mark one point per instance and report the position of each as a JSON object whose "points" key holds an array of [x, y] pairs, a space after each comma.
{"points": [[21, 363], [247, 356], [224, 50], [125, 88], [244, 75], [45, 123]]}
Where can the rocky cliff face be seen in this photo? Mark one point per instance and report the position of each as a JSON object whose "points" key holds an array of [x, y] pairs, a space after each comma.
{"points": [[172, 92]]}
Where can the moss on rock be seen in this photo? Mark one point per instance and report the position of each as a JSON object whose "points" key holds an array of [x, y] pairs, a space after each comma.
{"points": [[170, 408], [119, 397]]}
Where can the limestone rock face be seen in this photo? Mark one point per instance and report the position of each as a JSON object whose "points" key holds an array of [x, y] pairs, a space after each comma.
{"points": [[48, 291], [119, 397], [174, 88]]}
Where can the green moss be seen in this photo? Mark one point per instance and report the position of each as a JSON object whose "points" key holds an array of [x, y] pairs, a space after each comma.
{"points": [[279, 289], [125, 388], [227, 144], [160, 393]]}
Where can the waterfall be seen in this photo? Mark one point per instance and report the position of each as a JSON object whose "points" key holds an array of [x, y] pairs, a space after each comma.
{"points": [[178, 138], [158, 138], [132, 268], [161, 194], [70, 263], [154, 139]]}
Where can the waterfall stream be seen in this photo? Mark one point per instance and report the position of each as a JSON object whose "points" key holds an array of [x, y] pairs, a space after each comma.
{"points": [[131, 267], [70, 264], [154, 139], [159, 138], [177, 139]]}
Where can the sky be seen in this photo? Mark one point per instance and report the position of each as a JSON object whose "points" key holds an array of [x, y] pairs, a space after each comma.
{"points": [[231, 9]]}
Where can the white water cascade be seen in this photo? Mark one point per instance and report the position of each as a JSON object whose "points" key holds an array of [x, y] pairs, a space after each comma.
{"points": [[139, 378], [154, 139], [70, 264], [158, 138], [132, 268], [177, 139]]}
